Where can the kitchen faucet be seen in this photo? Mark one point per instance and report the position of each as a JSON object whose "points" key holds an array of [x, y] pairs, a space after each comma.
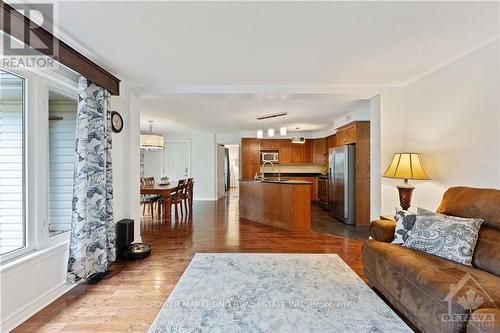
{"points": [[272, 165], [262, 169]]}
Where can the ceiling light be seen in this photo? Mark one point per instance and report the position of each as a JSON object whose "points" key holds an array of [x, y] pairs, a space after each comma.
{"points": [[283, 131], [151, 142], [260, 134], [298, 139], [270, 132], [272, 115]]}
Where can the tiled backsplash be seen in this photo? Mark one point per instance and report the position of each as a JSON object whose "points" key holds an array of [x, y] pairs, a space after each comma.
{"points": [[294, 168]]}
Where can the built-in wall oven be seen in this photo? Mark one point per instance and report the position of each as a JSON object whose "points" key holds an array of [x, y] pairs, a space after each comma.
{"points": [[269, 157]]}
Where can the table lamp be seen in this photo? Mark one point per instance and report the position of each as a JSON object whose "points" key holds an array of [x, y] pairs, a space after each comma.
{"points": [[406, 166]]}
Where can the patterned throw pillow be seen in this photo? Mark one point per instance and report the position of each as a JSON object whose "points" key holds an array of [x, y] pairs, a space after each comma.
{"points": [[404, 223], [449, 237]]}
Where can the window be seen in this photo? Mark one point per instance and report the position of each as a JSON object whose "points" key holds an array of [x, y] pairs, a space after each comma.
{"points": [[12, 166], [62, 124], [37, 134]]}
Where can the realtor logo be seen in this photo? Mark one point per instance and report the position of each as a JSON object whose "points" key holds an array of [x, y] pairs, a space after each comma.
{"points": [[469, 294], [29, 44]]}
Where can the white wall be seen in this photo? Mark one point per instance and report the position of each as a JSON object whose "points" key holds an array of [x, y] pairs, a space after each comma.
{"points": [[126, 161], [154, 163], [375, 158], [452, 117]]}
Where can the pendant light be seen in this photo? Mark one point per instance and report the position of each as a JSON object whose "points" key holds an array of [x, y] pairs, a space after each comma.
{"points": [[270, 132], [151, 142], [260, 134], [298, 139], [283, 131]]}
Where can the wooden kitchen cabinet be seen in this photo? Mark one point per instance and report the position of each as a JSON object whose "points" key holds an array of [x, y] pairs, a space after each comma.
{"points": [[346, 134], [312, 180], [250, 157], [285, 151], [314, 188], [270, 144], [301, 152], [248, 170], [316, 151], [323, 192], [307, 155], [296, 153], [319, 151], [331, 142]]}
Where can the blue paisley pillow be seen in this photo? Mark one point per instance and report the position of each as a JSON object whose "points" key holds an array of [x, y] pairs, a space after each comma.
{"points": [[404, 223], [449, 237]]}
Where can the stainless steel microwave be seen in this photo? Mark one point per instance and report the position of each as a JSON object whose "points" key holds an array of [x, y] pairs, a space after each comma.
{"points": [[269, 157]]}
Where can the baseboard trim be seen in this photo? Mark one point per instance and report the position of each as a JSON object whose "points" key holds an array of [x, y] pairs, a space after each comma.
{"points": [[16, 319], [204, 199]]}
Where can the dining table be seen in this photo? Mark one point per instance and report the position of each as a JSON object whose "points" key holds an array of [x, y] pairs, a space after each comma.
{"points": [[164, 191]]}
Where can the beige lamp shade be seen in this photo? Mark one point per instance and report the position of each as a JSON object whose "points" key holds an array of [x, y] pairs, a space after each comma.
{"points": [[151, 142], [406, 166]]}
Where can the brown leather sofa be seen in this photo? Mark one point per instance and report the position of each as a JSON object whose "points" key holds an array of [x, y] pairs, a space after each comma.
{"points": [[436, 294]]}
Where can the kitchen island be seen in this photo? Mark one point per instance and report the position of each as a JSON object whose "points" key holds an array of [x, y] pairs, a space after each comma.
{"points": [[281, 204]]}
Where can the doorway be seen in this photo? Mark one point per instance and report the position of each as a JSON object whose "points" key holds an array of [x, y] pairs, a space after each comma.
{"points": [[234, 166]]}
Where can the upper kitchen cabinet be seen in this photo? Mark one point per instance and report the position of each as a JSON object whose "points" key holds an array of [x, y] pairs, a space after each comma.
{"points": [[269, 144], [301, 152], [296, 153], [250, 157], [307, 156], [331, 141], [319, 151], [347, 134], [285, 151]]}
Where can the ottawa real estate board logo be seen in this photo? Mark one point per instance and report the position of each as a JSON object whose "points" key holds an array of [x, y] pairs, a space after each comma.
{"points": [[27, 36], [464, 298]]}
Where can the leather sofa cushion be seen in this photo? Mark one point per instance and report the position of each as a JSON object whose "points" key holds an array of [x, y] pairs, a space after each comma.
{"points": [[382, 230], [472, 203], [487, 251], [418, 284], [492, 324]]}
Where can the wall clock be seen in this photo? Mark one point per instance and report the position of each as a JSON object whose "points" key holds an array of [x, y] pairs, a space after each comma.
{"points": [[116, 122]]}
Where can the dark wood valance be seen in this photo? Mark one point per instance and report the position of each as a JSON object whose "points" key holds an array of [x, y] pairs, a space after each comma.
{"points": [[15, 24]]}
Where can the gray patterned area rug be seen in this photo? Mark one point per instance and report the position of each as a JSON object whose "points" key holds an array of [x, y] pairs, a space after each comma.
{"points": [[236, 292]]}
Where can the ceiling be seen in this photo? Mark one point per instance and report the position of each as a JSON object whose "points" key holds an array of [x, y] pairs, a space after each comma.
{"points": [[274, 43], [159, 48], [228, 113]]}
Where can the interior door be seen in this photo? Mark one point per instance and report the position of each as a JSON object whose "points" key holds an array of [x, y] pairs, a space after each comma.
{"points": [[177, 156]]}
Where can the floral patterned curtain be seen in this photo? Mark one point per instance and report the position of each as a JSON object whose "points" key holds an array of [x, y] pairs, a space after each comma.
{"points": [[92, 239]]}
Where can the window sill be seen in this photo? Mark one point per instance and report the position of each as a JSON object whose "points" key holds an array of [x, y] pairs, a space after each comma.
{"points": [[59, 238], [32, 257]]}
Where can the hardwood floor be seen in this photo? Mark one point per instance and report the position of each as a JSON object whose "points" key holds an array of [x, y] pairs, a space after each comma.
{"points": [[130, 300]]}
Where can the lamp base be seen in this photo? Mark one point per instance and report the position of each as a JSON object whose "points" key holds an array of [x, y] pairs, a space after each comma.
{"points": [[405, 192]]}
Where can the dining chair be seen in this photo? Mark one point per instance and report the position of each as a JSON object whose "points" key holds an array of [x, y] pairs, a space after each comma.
{"points": [[148, 199], [188, 195], [177, 197]]}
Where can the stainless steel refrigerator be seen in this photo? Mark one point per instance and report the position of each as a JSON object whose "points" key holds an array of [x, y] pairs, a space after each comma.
{"points": [[341, 183]]}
